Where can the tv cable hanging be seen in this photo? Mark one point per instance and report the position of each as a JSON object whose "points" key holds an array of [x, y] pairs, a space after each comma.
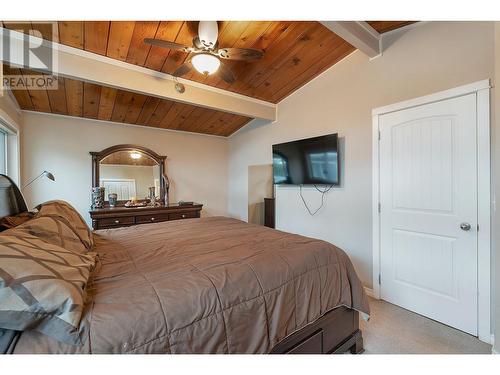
{"points": [[323, 192]]}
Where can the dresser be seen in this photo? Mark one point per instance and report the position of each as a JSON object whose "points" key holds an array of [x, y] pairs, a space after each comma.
{"points": [[120, 216]]}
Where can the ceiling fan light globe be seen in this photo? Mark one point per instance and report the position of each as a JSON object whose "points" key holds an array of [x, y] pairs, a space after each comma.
{"points": [[205, 63]]}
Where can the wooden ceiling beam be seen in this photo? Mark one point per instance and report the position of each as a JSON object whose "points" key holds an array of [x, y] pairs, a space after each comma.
{"points": [[359, 34], [93, 68]]}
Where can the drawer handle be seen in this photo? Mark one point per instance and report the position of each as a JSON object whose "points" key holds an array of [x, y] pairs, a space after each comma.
{"points": [[152, 219], [117, 221], [183, 216]]}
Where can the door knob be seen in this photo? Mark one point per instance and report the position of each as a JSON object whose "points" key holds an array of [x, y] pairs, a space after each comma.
{"points": [[465, 226]]}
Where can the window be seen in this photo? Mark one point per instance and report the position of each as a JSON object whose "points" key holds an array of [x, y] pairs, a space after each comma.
{"points": [[9, 155]]}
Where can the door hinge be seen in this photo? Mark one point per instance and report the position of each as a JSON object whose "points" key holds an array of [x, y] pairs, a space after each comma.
{"points": [[379, 280], [379, 207], [379, 135], [478, 227]]}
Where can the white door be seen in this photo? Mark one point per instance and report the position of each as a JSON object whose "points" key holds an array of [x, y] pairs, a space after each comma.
{"points": [[428, 196]]}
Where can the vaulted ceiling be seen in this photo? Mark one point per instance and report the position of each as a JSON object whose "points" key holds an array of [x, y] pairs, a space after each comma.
{"points": [[294, 53]]}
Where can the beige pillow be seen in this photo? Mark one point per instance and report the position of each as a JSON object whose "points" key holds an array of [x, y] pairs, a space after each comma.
{"points": [[67, 212], [54, 230], [42, 286]]}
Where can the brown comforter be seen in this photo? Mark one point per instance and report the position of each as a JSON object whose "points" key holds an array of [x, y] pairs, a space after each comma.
{"points": [[211, 285]]}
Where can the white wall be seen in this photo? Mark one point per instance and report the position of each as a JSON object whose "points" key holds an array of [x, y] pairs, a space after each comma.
{"points": [[421, 60], [196, 164]]}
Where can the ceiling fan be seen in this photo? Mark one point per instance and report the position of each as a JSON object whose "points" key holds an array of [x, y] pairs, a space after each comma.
{"points": [[205, 54]]}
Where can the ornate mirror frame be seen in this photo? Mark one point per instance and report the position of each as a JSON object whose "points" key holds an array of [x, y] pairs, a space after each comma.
{"points": [[97, 157]]}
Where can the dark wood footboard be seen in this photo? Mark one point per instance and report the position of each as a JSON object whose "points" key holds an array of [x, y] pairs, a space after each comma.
{"points": [[335, 332]]}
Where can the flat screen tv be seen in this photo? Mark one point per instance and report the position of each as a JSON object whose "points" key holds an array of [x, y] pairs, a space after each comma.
{"points": [[311, 161]]}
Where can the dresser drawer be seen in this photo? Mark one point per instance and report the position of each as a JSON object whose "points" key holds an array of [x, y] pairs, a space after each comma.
{"points": [[182, 215], [153, 218], [116, 221]]}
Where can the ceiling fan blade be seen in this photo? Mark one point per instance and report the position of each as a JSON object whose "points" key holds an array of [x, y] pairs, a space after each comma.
{"points": [[225, 73], [208, 32], [183, 69], [240, 53], [167, 44]]}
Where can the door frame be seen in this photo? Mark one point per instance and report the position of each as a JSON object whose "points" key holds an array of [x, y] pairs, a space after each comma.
{"points": [[482, 91]]}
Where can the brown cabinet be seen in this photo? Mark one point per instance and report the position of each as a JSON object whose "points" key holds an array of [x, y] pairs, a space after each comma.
{"points": [[121, 216], [269, 212]]}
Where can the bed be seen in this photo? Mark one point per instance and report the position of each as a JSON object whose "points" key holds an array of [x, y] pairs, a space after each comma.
{"points": [[212, 285]]}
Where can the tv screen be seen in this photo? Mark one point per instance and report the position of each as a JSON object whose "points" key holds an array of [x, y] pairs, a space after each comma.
{"points": [[311, 161]]}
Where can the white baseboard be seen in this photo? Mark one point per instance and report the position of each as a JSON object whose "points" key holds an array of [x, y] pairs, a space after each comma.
{"points": [[369, 292]]}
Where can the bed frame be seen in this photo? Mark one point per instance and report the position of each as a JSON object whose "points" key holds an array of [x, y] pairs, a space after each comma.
{"points": [[335, 332]]}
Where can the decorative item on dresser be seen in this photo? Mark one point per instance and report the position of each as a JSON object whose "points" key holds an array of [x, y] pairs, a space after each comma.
{"points": [[97, 197], [122, 216], [112, 198]]}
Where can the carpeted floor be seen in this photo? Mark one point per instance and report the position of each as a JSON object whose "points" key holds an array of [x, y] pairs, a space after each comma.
{"points": [[394, 330]]}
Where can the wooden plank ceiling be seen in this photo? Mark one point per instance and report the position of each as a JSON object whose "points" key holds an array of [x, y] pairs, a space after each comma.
{"points": [[294, 53]]}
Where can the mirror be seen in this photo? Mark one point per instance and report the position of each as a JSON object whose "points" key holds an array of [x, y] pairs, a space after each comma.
{"points": [[130, 172]]}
